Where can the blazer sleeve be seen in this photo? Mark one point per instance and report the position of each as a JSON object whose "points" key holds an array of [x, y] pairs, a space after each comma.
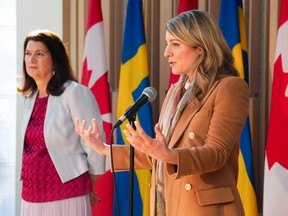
{"points": [[121, 158], [84, 106]]}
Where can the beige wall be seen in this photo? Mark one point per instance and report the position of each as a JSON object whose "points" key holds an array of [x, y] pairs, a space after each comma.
{"points": [[261, 23]]}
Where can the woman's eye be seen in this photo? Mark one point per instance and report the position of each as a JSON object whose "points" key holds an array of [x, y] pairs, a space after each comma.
{"points": [[172, 45]]}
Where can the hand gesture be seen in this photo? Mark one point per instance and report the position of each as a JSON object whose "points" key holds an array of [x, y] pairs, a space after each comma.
{"points": [[156, 148], [92, 136]]}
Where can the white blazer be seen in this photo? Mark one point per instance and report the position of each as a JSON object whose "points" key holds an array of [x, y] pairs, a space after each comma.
{"points": [[69, 153]]}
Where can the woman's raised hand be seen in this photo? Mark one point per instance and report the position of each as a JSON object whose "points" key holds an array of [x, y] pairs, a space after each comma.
{"points": [[92, 136], [154, 147]]}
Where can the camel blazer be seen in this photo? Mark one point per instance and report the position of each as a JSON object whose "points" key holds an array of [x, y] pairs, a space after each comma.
{"points": [[69, 153], [206, 140]]}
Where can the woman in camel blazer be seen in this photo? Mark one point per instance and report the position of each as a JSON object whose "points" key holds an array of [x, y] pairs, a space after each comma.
{"points": [[194, 155]]}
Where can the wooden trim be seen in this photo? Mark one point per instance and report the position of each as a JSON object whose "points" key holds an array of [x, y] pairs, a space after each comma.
{"points": [[117, 20], [66, 21]]}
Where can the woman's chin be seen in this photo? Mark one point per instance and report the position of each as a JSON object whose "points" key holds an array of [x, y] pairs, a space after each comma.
{"points": [[175, 72]]}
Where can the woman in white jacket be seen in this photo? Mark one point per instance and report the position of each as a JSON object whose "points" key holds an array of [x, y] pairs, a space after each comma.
{"points": [[58, 168]]}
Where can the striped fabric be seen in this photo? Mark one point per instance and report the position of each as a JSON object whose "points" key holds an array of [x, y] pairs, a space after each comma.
{"points": [[232, 24], [74, 206], [134, 78]]}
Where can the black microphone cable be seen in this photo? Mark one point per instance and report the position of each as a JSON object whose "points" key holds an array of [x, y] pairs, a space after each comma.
{"points": [[112, 170]]}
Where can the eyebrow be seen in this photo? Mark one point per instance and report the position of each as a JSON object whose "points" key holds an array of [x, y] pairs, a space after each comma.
{"points": [[173, 40], [41, 50]]}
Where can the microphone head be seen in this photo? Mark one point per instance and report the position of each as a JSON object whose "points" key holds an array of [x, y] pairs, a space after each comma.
{"points": [[151, 93]]}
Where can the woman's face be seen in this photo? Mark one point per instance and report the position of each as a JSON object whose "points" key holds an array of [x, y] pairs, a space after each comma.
{"points": [[181, 57], [38, 60]]}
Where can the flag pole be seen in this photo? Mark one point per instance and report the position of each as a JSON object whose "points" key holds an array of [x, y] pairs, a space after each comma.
{"points": [[132, 120]]}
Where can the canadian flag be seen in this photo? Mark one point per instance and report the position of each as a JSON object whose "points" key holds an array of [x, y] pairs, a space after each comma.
{"points": [[95, 76], [276, 163]]}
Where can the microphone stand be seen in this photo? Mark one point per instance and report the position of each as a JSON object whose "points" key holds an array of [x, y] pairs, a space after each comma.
{"points": [[132, 120]]}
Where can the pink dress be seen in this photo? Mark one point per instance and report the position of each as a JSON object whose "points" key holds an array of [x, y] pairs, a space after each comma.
{"points": [[41, 183]]}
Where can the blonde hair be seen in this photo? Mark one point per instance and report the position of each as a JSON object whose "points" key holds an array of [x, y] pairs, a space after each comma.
{"points": [[198, 29]]}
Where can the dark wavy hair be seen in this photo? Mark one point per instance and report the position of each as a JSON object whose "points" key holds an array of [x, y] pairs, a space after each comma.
{"points": [[62, 68]]}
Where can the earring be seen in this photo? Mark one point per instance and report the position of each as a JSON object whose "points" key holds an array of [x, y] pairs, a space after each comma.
{"points": [[53, 72]]}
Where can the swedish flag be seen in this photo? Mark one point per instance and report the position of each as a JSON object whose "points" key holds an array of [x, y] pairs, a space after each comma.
{"points": [[134, 78], [232, 24]]}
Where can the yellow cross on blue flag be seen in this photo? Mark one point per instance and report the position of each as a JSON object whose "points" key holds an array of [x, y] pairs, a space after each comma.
{"points": [[134, 78]]}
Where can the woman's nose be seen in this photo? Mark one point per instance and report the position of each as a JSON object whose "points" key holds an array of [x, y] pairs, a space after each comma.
{"points": [[167, 53], [31, 58]]}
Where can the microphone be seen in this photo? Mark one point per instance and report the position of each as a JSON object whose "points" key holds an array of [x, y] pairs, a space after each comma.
{"points": [[149, 94]]}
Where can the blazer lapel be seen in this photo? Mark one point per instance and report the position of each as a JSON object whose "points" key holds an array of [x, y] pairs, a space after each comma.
{"points": [[182, 124], [186, 118]]}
